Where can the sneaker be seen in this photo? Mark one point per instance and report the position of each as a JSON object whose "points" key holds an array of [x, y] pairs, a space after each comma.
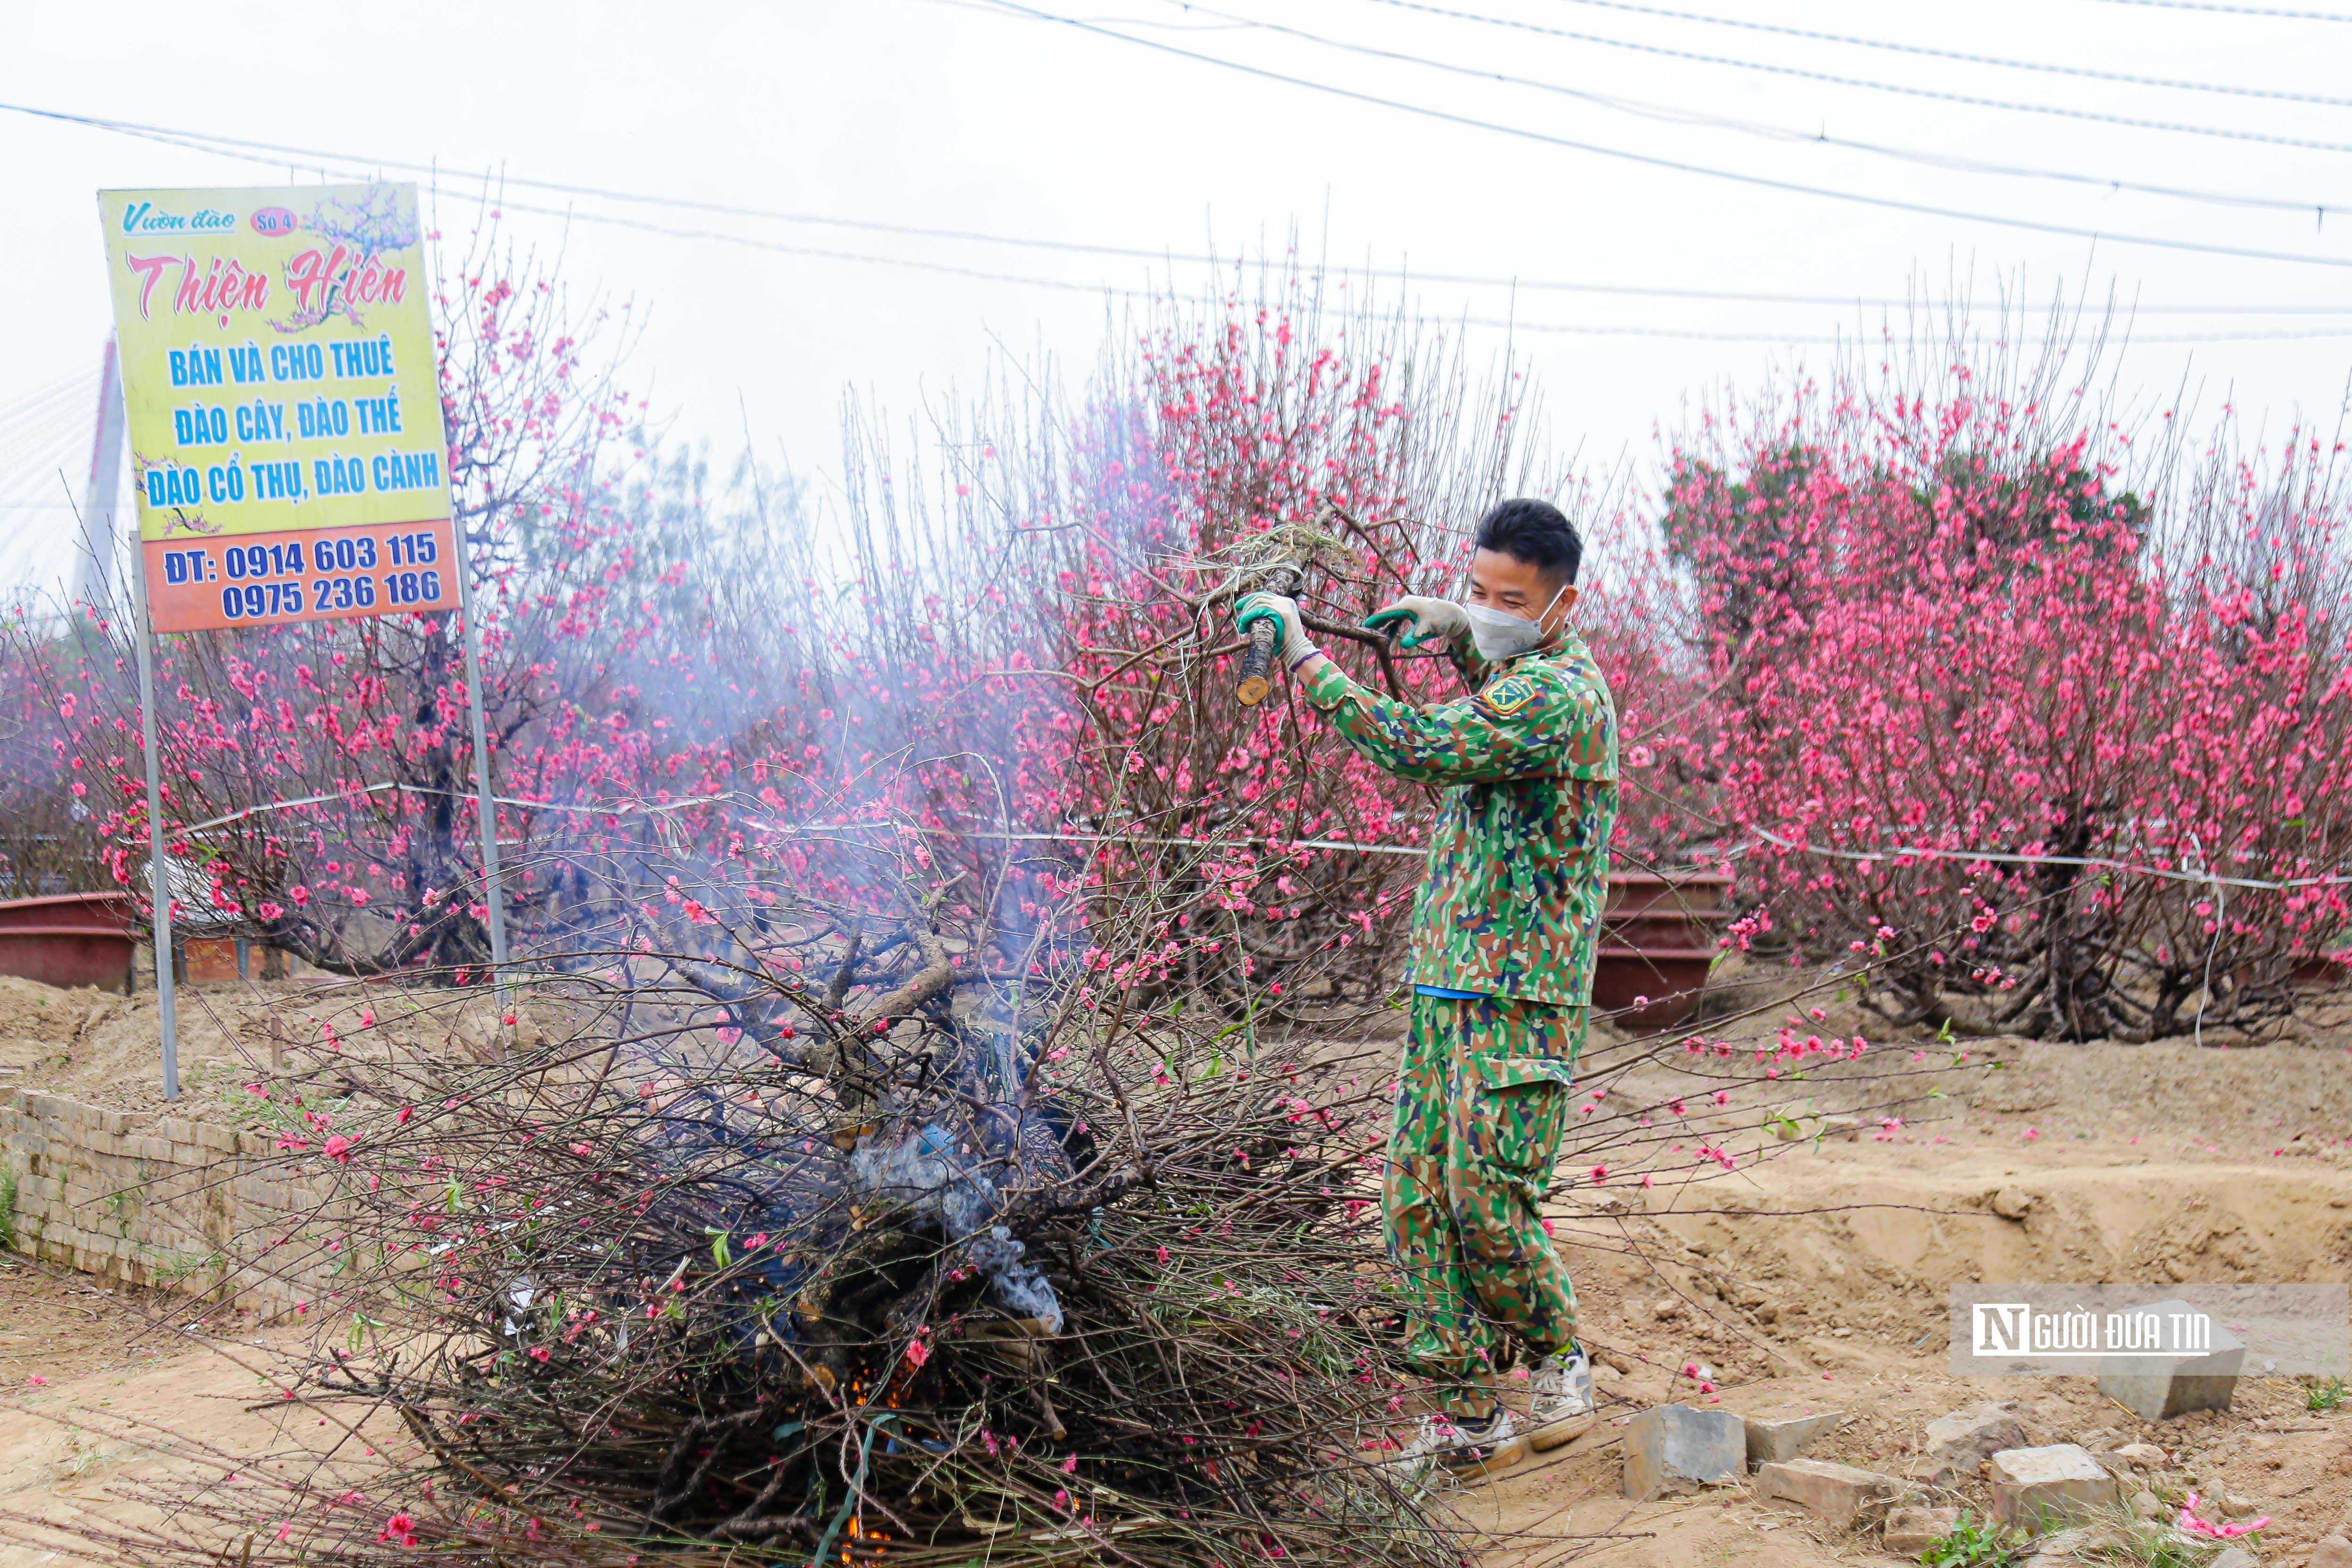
{"points": [[1559, 1398], [1462, 1445]]}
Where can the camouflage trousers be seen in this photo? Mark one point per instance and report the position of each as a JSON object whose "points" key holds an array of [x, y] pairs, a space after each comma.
{"points": [[1482, 1100]]}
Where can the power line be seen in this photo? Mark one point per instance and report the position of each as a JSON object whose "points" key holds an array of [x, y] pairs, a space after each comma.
{"points": [[1775, 132], [1169, 295], [326, 161], [1651, 161], [206, 142], [2238, 10], [751, 242], [1932, 53], [195, 141], [1802, 74], [198, 141]]}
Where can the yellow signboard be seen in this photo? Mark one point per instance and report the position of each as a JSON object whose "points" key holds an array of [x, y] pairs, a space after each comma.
{"points": [[283, 403]]}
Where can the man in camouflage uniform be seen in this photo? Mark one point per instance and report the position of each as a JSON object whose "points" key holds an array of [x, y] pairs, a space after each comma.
{"points": [[1501, 961]]}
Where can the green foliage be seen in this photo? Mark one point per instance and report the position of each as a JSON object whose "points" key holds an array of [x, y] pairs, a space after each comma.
{"points": [[2138, 1544], [122, 1204], [2324, 1396], [1973, 1544], [1746, 538], [2166, 1552], [169, 1267], [1760, 515], [2041, 504], [7, 1209]]}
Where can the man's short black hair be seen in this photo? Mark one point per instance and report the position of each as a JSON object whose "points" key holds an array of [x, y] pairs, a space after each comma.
{"points": [[1534, 532]]}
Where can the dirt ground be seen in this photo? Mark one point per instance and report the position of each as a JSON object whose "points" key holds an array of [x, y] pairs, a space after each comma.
{"points": [[1814, 1273], [1847, 1311], [109, 1392], [102, 1048]]}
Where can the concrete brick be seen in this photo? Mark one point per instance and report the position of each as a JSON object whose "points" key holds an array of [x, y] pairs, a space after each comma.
{"points": [[2157, 1388], [1786, 1431], [1837, 1493], [1958, 1442], [216, 1139], [1911, 1530], [1675, 1449], [115, 1123], [2042, 1489]]}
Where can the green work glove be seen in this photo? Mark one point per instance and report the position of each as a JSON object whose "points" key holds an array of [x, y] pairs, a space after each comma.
{"points": [[1295, 648], [1423, 620]]}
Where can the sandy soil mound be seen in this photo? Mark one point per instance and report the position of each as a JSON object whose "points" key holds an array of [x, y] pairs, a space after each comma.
{"points": [[105, 1049]]}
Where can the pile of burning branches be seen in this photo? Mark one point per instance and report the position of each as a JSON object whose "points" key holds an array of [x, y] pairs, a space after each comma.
{"points": [[916, 1219], [866, 1233]]}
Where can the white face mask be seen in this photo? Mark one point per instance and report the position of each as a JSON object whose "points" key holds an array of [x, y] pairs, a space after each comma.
{"points": [[1500, 635]]}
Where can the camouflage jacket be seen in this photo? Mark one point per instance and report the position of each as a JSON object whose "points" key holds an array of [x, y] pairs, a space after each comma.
{"points": [[1518, 859]]}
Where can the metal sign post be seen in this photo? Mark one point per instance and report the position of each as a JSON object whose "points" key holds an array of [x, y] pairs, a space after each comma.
{"points": [[486, 806], [159, 874]]}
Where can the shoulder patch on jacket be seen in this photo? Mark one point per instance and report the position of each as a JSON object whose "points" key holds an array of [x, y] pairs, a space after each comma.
{"points": [[1508, 695]]}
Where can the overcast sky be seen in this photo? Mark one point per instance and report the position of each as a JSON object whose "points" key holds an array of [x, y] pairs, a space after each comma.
{"points": [[971, 115]]}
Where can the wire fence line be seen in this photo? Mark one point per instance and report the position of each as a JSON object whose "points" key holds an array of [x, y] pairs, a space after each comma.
{"points": [[2199, 874]]}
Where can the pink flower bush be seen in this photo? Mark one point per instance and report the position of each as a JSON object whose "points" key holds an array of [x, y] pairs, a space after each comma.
{"points": [[1940, 621], [1969, 689]]}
